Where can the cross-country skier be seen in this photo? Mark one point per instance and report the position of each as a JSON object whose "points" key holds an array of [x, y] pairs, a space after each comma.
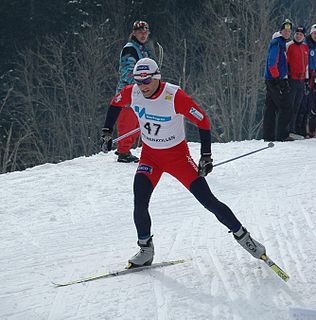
{"points": [[160, 108]]}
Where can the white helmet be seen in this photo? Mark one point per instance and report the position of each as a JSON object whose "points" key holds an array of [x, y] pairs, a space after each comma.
{"points": [[145, 68]]}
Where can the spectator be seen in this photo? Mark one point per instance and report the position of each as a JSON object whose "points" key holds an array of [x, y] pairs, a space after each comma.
{"points": [[308, 112], [297, 61], [277, 113], [134, 50]]}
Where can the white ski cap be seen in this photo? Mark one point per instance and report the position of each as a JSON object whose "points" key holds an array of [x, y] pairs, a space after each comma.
{"points": [[313, 28], [145, 68]]}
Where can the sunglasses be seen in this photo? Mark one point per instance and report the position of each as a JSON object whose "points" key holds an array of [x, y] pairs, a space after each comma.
{"points": [[144, 81]]}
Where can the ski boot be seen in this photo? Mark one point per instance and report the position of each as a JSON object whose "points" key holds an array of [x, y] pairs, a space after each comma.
{"points": [[145, 256], [255, 248], [127, 157]]}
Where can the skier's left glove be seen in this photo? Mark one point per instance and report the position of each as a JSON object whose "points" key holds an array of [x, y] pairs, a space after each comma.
{"points": [[205, 164], [106, 140]]}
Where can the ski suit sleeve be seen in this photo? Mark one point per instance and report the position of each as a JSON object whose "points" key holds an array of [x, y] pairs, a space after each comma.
{"points": [[119, 101], [185, 105], [127, 62], [273, 59]]}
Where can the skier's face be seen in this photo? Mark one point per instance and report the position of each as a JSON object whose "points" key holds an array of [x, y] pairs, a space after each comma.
{"points": [[299, 37], [148, 89], [286, 33], [141, 35], [313, 35]]}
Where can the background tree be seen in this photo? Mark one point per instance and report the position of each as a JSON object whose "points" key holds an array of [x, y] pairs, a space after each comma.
{"points": [[59, 59]]}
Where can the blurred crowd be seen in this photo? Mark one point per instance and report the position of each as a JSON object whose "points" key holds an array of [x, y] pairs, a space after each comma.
{"points": [[290, 108]]}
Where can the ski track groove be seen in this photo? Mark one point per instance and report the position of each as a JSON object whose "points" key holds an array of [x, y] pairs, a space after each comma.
{"points": [[54, 236], [161, 297]]}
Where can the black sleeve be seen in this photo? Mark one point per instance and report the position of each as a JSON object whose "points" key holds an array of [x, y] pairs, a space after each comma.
{"points": [[205, 138], [111, 117], [130, 51]]}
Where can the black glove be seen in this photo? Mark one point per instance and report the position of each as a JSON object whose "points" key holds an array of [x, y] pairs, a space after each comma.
{"points": [[284, 86], [106, 140], [205, 165], [307, 88]]}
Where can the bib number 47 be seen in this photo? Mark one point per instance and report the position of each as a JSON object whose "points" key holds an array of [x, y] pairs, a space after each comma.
{"points": [[154, 128]]}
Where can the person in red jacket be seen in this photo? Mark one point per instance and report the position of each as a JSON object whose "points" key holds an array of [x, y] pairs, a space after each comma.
{"points": [[161, 108], [297, 60]]}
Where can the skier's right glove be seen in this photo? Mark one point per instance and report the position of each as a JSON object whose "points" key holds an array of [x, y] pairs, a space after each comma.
{"points": [[205, 165], [106, 140]]}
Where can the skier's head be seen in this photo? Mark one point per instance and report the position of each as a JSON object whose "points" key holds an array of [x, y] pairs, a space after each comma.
{"points": [[140, 31], [147, 76], [299, 34], [286, 29], [313, 32]]}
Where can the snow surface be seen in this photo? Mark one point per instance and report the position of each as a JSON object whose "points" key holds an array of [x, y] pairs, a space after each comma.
{"points": [[73, 219]]}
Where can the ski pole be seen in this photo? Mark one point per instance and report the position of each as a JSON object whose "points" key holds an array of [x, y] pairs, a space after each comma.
{"points": [[125, 135], [270, 145]]}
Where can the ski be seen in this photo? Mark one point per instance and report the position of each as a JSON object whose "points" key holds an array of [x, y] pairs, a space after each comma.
{"points": [[120, 272], [282, 274]]}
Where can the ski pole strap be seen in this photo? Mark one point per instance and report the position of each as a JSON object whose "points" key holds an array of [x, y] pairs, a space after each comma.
{"points": [[123, 136], [270, 145]]}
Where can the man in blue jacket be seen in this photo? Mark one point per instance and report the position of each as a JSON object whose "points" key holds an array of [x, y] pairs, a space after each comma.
{"points": [[307, 114], [277, 114]]}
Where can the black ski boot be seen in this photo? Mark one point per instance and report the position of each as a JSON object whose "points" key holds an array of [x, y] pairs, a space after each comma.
{"points": [[127, 157]]}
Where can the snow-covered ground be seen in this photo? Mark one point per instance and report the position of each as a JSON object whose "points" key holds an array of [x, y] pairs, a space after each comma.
{"points": [[60, 222]]}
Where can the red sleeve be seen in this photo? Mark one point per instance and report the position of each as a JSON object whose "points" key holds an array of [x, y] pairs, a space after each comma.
{"points": [[186, 106], [124, 97], [274, 69]]}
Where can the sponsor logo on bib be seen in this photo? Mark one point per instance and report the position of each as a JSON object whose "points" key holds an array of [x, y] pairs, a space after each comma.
{"points": [[148, 116]]}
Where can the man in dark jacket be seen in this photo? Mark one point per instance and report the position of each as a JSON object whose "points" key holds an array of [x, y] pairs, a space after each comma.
{"points": [[308, 108], [277, 111]]}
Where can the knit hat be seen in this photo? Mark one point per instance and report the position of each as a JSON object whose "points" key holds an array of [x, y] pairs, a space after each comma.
{"points": [[301, 29], [140, 25], [145, 68], [287, 24], [313, 28]]}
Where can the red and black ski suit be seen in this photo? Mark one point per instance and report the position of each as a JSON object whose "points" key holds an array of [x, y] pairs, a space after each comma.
{"points": [[161, 120]]}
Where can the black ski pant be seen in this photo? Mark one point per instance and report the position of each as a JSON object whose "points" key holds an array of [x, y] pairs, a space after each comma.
{"points": [[296, 98], [199, 188], [312, 110], [306, 119], [277, 113], [303, 114]]}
